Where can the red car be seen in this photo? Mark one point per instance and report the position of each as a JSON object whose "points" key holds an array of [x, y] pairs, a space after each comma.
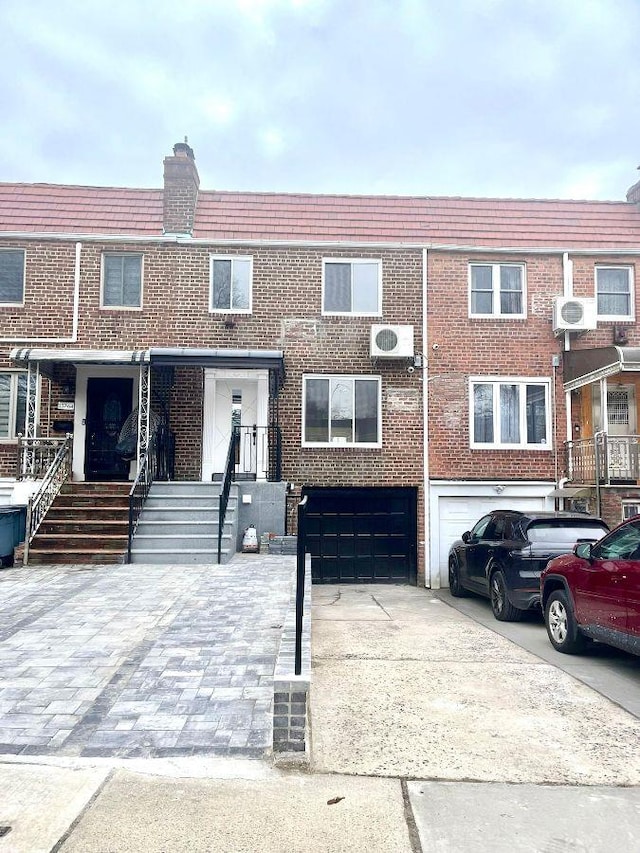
{"points": [[594, 593]]}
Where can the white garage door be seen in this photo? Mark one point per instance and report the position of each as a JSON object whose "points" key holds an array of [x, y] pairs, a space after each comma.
{"points": [[458, 514]]}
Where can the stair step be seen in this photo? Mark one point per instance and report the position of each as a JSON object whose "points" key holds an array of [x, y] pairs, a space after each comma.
{"points": [[181, 528], [190, 557], [88, 526], [72, 556], [71, 542]]}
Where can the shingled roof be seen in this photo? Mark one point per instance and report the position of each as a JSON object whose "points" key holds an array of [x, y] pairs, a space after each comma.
{"points": [[74, 210]]}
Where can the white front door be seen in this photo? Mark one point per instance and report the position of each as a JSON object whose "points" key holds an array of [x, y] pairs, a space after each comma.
{"points": [[234, 398], [621, 423]]}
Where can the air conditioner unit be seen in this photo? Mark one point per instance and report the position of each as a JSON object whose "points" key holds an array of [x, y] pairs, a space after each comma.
{"points": [[391, 341], [571, 314]]}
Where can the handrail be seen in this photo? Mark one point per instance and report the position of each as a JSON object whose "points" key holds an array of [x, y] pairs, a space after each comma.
{"points": [[39, 503], [232, 459], [300, 571], [36, 455], [260, 452], [155, 464]]}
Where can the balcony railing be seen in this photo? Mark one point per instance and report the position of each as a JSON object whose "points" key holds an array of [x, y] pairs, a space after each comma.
{"points": [[603, 459]]}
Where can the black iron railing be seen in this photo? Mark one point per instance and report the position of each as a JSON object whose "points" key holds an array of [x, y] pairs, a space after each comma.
{"points": [[259, 453], [300, 580], [156, 464], [232, 461]]}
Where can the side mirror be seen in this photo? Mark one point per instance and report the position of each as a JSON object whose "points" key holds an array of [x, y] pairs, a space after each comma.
{"points": [[583, 550], [467, 537]]}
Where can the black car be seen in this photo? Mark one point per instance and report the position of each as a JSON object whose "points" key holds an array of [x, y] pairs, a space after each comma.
{"points": [[504, 554]]}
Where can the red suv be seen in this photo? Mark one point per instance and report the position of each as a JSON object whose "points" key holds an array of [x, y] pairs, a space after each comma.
{"points": [[594, 593]]}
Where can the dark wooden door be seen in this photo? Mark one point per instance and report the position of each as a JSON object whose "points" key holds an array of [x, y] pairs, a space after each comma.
{"points": [[362, 535], [109, 402]]}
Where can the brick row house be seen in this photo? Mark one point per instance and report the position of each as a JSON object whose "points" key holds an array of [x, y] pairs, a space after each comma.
{"points": [[406, 363]]}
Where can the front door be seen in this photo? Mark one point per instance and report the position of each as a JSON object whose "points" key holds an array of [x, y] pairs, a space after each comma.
{"points": [[621, 424], [235, 398], [109, 402]]}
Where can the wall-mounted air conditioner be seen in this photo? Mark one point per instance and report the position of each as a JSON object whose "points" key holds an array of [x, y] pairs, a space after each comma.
{"points": [[391, 341], [573, 314]]}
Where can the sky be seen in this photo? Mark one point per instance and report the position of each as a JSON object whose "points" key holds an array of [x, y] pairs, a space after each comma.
{"points": [[490, 98]]}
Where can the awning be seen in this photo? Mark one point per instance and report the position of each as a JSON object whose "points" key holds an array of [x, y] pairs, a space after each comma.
{"points": [[583, 366], [272, 360], [570, 492]]}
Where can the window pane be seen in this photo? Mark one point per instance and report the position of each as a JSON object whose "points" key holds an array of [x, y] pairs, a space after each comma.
{"points": [[11, 276], [481, 290], [366, 410], [536, 415], [510, 290], [365, 288], [131, 274], [337, 287], [483, 414], [342, 409], [613, 286], [241, 284], [112, 280], [316, 410], [509, 414], [221, 284], [5, 403]]}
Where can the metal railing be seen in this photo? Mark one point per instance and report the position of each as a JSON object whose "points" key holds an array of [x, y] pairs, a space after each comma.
{"points": [[603, 459], [259, 453], [36, 455], [300, 580], [57, 474], [232, 461], [156, 464]]}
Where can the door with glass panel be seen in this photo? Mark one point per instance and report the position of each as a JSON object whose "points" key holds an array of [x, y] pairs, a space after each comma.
{"points": [[621, 431]]}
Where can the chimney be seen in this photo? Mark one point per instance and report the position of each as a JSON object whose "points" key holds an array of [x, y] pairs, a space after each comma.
{"points": [[633, 193], [181, 184]]}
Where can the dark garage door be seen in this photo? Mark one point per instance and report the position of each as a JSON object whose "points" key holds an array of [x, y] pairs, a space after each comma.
{"points": [[362, 535]]}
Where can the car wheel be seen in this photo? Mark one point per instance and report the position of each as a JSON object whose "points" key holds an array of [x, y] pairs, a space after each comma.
{"points": [[503, 609], [562, 627], [455, 587]]}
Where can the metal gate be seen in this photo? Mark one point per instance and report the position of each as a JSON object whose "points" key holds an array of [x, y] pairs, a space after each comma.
{"points": [[362, 535]]}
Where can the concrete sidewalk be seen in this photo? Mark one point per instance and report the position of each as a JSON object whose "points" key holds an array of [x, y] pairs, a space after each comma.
{"points": [[429, 732]]}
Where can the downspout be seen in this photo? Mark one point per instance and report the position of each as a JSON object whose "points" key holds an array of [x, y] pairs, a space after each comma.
{"points": [[76, 311], [567, 277], [433, 582]]}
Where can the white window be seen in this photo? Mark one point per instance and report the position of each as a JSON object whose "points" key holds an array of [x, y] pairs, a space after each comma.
{"points": [[12, 277], [121, 280], [497, 290], [352, 287], [231, 277], [614, 293], [510, 413], [629, 509], [341, 411], [13, 404]]}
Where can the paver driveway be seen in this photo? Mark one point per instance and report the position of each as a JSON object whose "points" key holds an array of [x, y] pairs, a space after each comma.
{"points": [[141, 660]]}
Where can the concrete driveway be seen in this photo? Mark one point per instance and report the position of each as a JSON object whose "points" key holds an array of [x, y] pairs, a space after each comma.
{"points": [[405, 685], [141, 660]]}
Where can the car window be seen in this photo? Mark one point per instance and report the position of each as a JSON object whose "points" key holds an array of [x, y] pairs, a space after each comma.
{"points": [[480, 527], [564, 532], [623, 544]]}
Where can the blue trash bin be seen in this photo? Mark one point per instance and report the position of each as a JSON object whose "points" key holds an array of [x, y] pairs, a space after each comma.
{"points": [[8, 524]]}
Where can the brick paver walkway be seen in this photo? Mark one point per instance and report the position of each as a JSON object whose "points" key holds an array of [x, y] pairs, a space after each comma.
{"points": [[141, 660]]}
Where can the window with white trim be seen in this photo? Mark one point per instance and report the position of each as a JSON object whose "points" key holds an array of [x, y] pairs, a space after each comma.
{"points": [[614, 293], [341, 411], [13, 404], [352, 287], [497, 290], [12, 277], [121, 280], [629, 509], [231, 278], [510, 413]]}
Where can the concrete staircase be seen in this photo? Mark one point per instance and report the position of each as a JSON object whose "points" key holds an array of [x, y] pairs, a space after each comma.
{"points": [[179, 524], [87, 523]]}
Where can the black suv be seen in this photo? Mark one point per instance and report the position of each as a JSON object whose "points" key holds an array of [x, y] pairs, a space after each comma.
{"points": [[503, 555]]}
